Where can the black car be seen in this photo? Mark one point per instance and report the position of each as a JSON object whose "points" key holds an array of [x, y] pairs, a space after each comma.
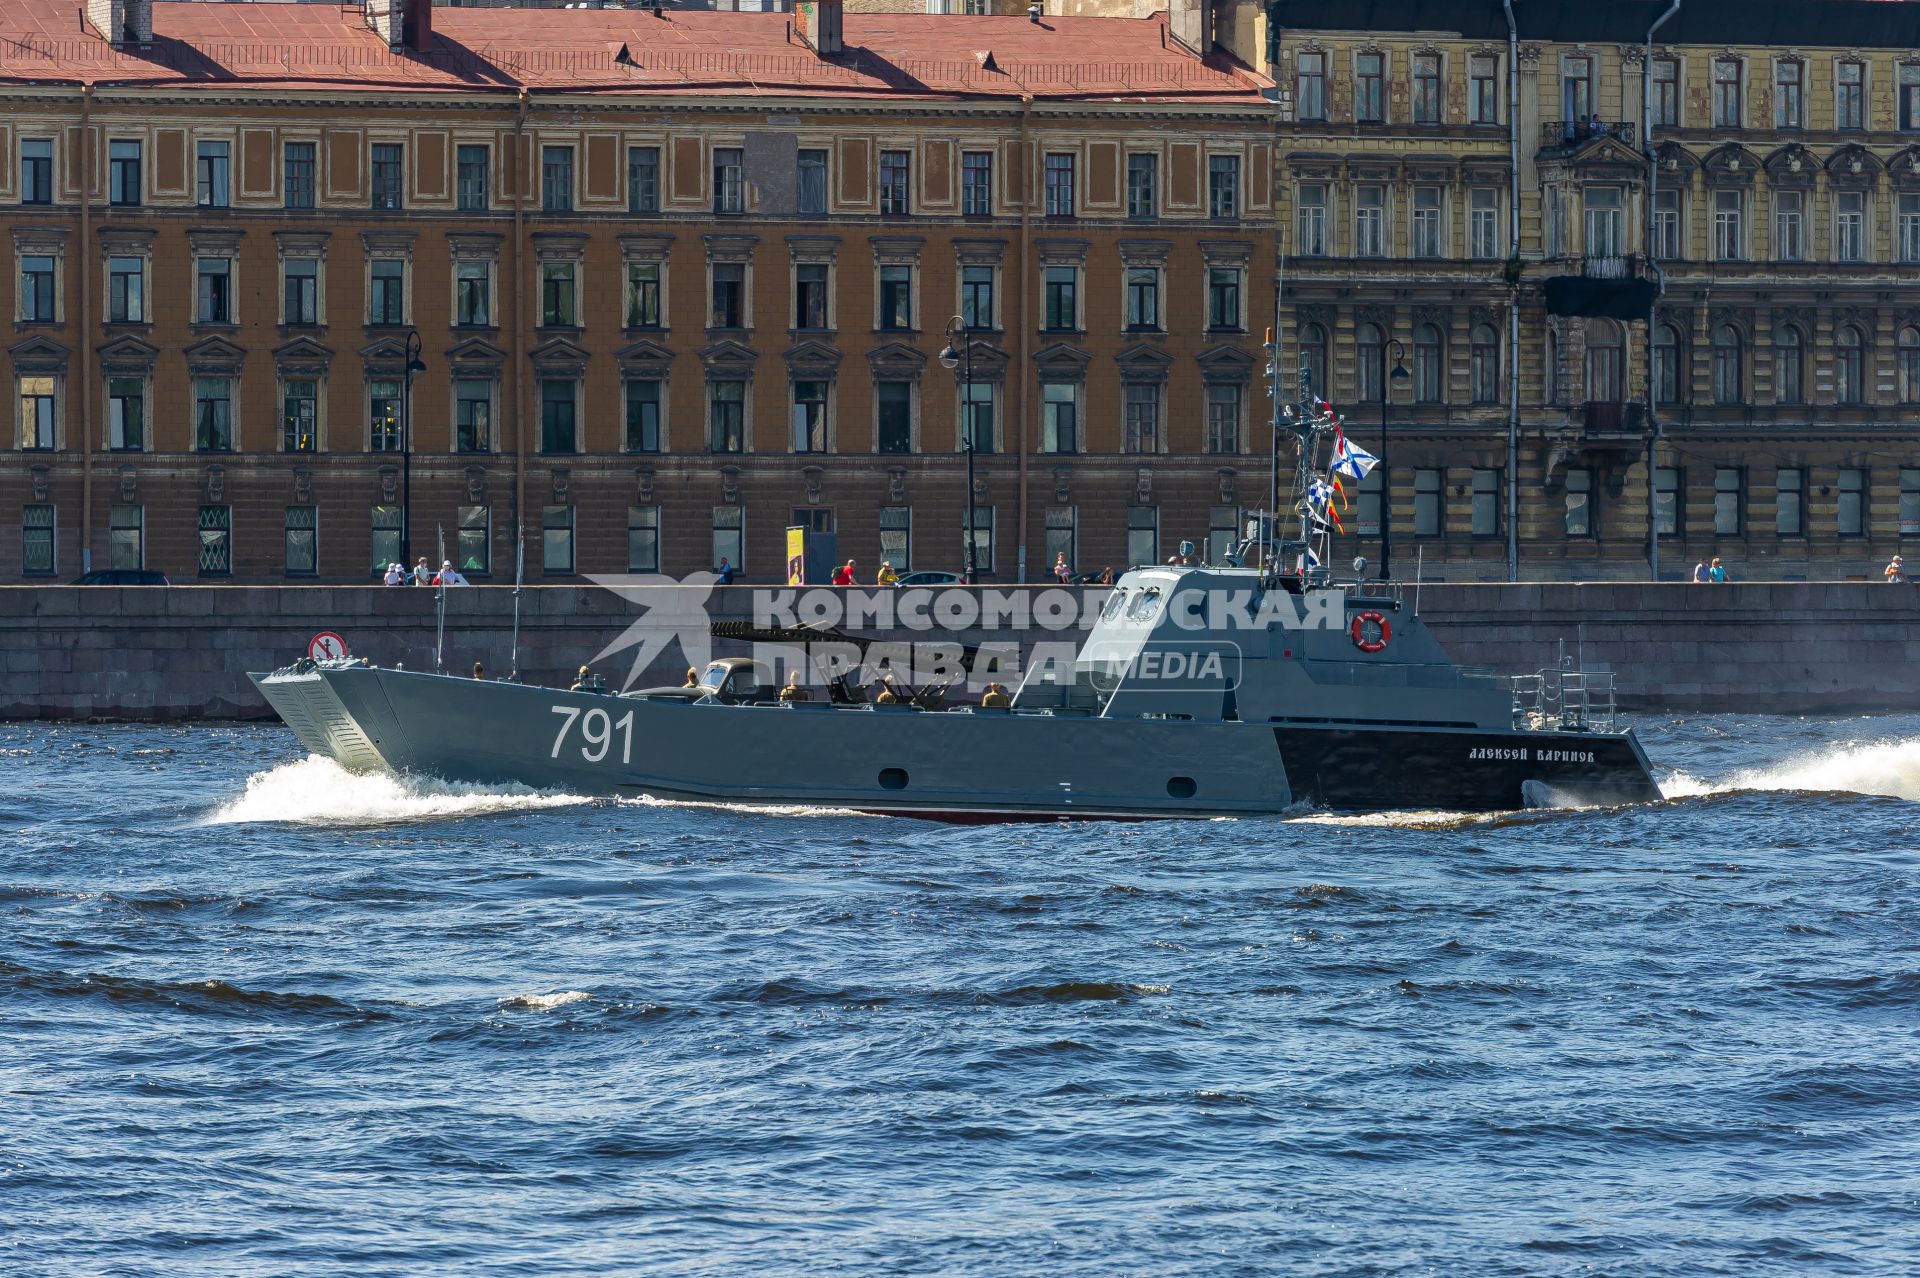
{"points": [[122, 577]]}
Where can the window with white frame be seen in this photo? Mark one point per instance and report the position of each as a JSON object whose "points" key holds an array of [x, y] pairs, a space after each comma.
{"points": [[1729, 110], [1310, 220], [126, 290], [1789, 226], [1849, 95], [213, 414], [1369, 220], [1606, 221], [1310, 85], [810, 416], [1789, 94], [1849, 226], [1729, 237], [300, 415], [1483, 89], [1141, 403], [1059, 417], [1225, 426], [127, 414], [1426, 221], [473, 294], [1483, 207], [39, 411], [729, 180]]}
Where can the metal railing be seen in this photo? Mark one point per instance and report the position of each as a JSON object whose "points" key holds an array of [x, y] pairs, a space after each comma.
{"points": [[1614, 417], [1560, 133], [1565, 701]]}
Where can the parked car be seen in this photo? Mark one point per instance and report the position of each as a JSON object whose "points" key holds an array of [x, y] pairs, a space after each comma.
{"points": [[122, 577], [930, 579]]}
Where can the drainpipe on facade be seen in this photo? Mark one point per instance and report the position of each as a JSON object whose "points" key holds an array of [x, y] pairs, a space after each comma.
{"points": [[1513, 297], [85, 344], [1659, 289], [1020, 396], [521, 383]]}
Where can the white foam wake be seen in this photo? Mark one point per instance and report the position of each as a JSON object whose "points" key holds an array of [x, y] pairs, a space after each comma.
{"points": [[1890, 768], [317, 791], [545, 1002]]}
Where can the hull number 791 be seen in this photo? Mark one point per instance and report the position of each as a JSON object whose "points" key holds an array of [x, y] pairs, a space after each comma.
{"points": [[597, 729]]}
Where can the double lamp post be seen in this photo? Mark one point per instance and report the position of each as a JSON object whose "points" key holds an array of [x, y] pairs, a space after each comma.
{"points": [[957, 355]]}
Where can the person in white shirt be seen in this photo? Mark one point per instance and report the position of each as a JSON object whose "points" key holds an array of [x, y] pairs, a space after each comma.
{"points": [[449, 575], [396, 575]]}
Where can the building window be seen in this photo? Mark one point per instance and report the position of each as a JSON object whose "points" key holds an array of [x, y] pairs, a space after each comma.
{"points": [[1142, 406], [387, 304], [1909, 365], [1143, 535], [216, 541], [1728, 505], [1486, 503], [1059, 185], [473, 415], [810, 192], [214, 278], [123, 173], [643, 295], [39, 419], [36, 541], [1576, 91], [557, 295], [1143, 185], [1426, 221], [729, 295], [556, 540], [810, 295], [1369, 221], [1729, 367], [386, 538], [1789, 244], [1061, 289], [727, 416], [473, 294], [976, 183], [1310, 86], [127, 538], [1849, 226], [643, 179], [1483, 207], [1370, 374], [1849, 96], [1666, 225], [642, 415], [1369, 96], [1909, 502], [297, 160], [1907, 246], [1789, 105], [1223, 417], [1059, 417], [1728, 111], [210, 168], [809, 417], [1223, 299], [1366, 504], [126, 290], [1789, 366], [1666, 501], [300, 289], [213, 414], [556, 179], [1851, 513], [1909, 96], [1789, 502], [1485, 364], [982, 538], [126, 414], [471, 178], [475, 543], [896, 537], [1483, 89], [36, 171], [300, 416], [1059, 538], [559, 415], [643, 539], [1311, 218], [384, 431], [1606, 223], [729, 536], [303, 541], [1223, 532], [896, 182], [1429, 362], [1729, 243], [386, 173], [976, 297], [1606, 362], [1849, 366], [896, 298], [893, 413], [729, 181], [1426, 88], [37, 294], [1666, 93], [977, 417], [1223, 186], [1579, 521], [1428, 496], [1313, 360]]}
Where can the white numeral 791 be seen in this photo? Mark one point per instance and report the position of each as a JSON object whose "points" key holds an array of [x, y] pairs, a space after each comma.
{"points": [[596, 733]]}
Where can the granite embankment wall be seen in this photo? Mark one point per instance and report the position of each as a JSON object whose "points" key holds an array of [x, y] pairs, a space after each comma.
{"points": [[182, 652]]}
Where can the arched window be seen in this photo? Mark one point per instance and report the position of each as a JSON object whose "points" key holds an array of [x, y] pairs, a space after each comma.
{"points": [[1372, 370], [1666, 364], [1789, 366], [1606, 362], [1849, 366], [1729, 366], [1313, 352], [1486, 364], [1428, 362], [1910, 365]]}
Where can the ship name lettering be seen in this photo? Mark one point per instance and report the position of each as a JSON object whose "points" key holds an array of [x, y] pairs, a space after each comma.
{"points": [[1566, 756], [1499, 752]]}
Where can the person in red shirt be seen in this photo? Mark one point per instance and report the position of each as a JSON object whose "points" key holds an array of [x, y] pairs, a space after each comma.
{"points": [[843, 575]]}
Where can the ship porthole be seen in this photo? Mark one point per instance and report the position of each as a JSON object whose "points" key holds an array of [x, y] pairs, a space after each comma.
{"points": [[893, 778], [1181, 787]]}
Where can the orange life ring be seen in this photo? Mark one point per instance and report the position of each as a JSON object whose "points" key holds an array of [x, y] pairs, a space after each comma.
{"points": [[1359, 632]]}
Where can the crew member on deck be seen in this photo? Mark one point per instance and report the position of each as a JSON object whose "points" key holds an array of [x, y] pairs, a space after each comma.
{"points": [[887, 697], [793, 691], [996, 698], [693, 678], [582, 680]]}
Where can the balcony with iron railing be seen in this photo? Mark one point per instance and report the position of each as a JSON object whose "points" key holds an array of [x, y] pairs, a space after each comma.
{"points": [[1614, 419], [1563, 135]]}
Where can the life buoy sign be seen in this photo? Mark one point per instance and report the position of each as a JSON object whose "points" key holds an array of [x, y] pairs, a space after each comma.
{"points": [[1370, 631], [326, 646]]}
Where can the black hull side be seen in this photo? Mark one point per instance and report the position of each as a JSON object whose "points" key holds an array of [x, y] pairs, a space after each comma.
{"points": [[1372, 769]]}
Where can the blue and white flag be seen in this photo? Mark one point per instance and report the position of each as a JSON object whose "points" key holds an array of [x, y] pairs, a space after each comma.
{"points": [[1319, 498], [1352, 460]]}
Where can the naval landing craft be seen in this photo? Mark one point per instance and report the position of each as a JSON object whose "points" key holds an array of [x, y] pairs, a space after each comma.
{"points": [[1331, 697]]}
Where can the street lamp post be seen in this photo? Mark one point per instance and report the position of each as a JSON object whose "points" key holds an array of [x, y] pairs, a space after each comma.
{"points": [[1400, 374], [414, 365], [961, 359]]}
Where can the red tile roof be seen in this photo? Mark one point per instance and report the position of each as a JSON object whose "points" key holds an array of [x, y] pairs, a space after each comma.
{"points": [[889, 55]]}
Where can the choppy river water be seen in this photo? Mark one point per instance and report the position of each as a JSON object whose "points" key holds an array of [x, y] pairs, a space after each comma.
{"points": [[258, 1016]]}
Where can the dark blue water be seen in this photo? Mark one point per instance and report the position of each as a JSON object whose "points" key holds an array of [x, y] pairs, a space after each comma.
{"points": [[260, 1017]]}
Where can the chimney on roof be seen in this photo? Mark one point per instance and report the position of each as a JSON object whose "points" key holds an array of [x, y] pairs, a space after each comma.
{"points": [[125, 23], [1191, 22], [820, 26], [403, 24]]}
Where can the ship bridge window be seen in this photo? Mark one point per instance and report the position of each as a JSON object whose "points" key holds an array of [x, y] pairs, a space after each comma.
{"points": [[1144, 606], [1115, 602]]}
